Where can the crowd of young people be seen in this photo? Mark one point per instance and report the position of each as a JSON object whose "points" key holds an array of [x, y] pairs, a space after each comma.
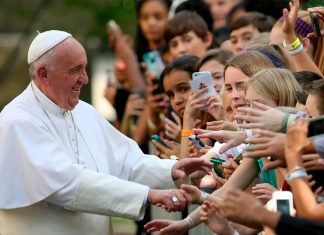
{"points": [[267, 73]]}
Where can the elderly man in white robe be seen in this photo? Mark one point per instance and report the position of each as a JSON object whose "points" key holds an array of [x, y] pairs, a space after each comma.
{"points": [[63, 168]]}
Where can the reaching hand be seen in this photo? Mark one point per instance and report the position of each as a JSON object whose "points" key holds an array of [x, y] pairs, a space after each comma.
{"points": [[263, 191], [260, 118], [193, 191], [184, 167], [170, 199], [171, 148], [242, 208], [313, 162], [229, 167], [231, 138], [264, 144], [167, 227], [296, 138], [221, 125], [213, 216]]}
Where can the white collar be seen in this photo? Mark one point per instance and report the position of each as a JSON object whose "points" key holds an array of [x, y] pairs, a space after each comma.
{"points": [[45, 102]]}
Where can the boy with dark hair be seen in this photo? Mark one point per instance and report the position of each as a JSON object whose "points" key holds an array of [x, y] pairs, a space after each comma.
{"points": [[187, 34], [246, 27]]}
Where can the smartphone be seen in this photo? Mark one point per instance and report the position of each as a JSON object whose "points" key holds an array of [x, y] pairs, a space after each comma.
{"points": [[315, 24], [158, 139], [159, 89], [217, 162], [283, 202], [111, 25], [201, 80], [316, 126], [154, 63], [238, 159], [197, 142]]}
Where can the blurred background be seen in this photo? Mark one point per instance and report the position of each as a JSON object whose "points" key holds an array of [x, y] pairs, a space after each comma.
{"points": [[84, 19]]}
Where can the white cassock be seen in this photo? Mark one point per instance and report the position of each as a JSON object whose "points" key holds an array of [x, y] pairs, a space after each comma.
{"points": [[67, 172]]}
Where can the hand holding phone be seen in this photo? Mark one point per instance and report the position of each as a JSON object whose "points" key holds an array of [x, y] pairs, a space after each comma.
{"points": [[154, 63], [217, 162], [315, 24], [202, 80], [196, 141], [316, 127], [158, 139]]}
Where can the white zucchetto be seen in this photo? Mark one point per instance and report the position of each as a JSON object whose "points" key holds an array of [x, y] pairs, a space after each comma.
{"points": [[43, 42]]}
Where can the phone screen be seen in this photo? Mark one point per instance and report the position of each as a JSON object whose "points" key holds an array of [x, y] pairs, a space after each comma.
{"points": [[283, 206]]}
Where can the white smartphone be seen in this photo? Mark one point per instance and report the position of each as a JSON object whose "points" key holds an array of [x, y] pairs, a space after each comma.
{"points": [[201, 80], [283, 202]]}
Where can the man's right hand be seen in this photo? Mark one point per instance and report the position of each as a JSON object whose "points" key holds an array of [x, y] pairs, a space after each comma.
{"points": [[169, 199]]}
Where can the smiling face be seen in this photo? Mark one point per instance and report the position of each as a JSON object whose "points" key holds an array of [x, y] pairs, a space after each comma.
{"points": [[235, 87], [64, 74], [153, 17], [177, 87]]}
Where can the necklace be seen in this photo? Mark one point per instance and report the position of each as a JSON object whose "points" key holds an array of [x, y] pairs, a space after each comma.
{"points": [[74, 143]]}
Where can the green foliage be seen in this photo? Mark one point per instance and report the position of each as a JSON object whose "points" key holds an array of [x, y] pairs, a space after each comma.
{"points": [[85, 19]]}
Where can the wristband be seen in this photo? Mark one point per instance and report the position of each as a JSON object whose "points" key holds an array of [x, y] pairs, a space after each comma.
{"points": [[202, 197], [189, 221], [296, 174], [297, 51], [292, 46], [284, 122], [186, 133], [236, 233], [248, 133]]}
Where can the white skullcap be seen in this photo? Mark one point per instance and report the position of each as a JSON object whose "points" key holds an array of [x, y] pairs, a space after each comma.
{"points": [[43, 42]]}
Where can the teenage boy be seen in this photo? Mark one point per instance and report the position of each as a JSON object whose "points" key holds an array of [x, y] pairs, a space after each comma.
{"points": [[187, 34], [246, 27]]}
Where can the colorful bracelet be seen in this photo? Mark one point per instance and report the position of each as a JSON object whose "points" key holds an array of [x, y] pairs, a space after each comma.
{"points": [[297, 51], [186, 133], [292, 46]]}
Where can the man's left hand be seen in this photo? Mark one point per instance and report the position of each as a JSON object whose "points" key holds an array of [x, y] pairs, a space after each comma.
{"points": [[184, 167]]}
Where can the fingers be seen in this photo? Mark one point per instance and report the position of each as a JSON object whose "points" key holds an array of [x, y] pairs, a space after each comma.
{"points": [[273, 164]]}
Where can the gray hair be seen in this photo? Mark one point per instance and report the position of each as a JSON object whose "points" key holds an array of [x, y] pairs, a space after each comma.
{"points": [[46, 59]]}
